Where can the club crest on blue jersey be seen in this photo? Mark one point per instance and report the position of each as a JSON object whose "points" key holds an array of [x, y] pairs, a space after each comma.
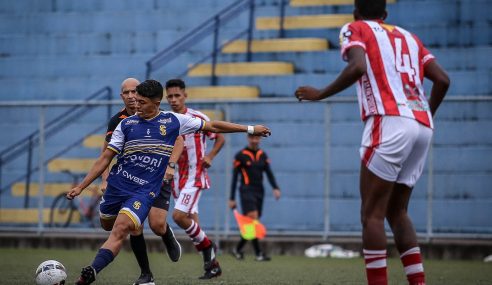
{"points": [[137, 205], [162, 130]]}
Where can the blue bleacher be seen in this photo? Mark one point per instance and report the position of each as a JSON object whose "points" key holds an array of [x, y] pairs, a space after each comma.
{"points": [[66, 50]]}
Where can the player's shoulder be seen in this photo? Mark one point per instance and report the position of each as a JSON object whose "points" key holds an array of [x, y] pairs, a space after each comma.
{"points": [[240, 153], [196, 113], [130, 120], [402, 30], [120, 115], [355, 25], [167, 117]]}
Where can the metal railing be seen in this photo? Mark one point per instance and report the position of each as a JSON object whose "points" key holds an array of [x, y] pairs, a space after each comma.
{"points": [[207, 28], [223, 224], [52, 127]]}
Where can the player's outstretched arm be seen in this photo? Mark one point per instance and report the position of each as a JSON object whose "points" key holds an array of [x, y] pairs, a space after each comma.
{"points": [[96, 170], [226, 127], [435, 73], [355, 68]]}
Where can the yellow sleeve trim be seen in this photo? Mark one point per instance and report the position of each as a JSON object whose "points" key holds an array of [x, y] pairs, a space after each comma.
{"points": [[113, 149]]}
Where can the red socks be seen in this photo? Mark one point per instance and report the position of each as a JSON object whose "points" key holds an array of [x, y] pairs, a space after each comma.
{"points": [[375, 267], [412, 262], [199, 238]]}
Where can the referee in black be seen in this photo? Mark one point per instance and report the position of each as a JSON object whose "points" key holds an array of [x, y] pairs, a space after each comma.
{"points": [[250, 163]]}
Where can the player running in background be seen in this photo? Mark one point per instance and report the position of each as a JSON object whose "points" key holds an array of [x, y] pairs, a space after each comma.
{"points": [[389, 65], [191, 176], [251, 162], [143, 143], [160, 206]]}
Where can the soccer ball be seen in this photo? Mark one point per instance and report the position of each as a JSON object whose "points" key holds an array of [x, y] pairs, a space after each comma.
{"points": [[51, 272]]}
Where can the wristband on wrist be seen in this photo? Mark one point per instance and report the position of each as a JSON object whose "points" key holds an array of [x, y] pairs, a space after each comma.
{"points": [[172, 165], [251, 130]]}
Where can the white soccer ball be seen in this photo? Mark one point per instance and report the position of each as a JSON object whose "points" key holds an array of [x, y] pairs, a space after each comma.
{"points": [[51, 272]]}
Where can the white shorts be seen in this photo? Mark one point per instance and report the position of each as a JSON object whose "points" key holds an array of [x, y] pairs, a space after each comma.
{"points": [[395, 148], [187, 200]]}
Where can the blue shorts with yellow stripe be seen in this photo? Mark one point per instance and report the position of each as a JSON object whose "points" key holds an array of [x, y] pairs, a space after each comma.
{"points": [[135, 205]]}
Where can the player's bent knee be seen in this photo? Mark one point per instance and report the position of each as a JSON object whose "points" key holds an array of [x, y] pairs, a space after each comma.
{"points": [[121, 230], [158, 227], [107, 224]]}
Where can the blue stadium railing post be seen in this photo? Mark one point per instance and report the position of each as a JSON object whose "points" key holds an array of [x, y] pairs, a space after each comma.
{"points": [[213, 80], [147, 72], [250, 29], [281, 32], [1, 185], [110, 97], [28, 172]]}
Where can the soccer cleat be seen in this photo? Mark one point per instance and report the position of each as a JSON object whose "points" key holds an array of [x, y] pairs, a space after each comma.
{"points": [[212, 270], [239, 255], [87, 276], [145, 279], [210, 264], [209, 254], [262, 257], [173, 248]]}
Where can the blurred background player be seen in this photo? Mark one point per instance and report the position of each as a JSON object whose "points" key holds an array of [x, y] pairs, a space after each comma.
{"points": [[160, 207], [389, 64], [251, 162], [191, 176]]}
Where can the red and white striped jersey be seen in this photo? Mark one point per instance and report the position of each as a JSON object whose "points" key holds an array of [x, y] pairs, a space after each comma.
{"points": [[190, 172], [393, 83]]}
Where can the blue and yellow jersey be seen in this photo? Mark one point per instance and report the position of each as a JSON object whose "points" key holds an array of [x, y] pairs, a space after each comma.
{"points": [[144, 147]]}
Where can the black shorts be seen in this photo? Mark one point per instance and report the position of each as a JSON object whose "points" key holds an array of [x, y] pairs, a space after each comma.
{"points": [[162, 201], [251, 199]]}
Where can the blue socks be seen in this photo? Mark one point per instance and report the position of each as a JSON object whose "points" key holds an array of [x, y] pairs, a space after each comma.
{"points": [[103, 258]]}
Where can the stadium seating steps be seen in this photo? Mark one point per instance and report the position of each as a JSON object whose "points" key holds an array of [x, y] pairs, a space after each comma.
{"points": [[69, 49]]}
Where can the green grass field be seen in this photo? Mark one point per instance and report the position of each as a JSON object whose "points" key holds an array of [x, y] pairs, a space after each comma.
{"points": [[18, 266]]}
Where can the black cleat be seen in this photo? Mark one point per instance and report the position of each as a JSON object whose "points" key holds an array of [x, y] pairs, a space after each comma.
{"points": [[210, 264], [239, 255], [173, 248], [87, 276], [212, 270], [262, 257], [145, 279], [209, 253]]}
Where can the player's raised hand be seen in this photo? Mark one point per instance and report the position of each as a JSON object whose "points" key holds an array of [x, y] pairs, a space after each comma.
{"points": [[263, 131], [276, 193], [232, 204], [169, 174], [206, 161], [74, 193], [307, 93]]}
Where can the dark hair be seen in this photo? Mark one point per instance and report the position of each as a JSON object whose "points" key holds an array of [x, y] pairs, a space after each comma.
{"points": [[175, 83], [371, 9], [151, 89]]}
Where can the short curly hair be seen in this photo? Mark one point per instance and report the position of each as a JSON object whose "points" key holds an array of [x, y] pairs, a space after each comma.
{"points": [[151, 89], [371, 9]]}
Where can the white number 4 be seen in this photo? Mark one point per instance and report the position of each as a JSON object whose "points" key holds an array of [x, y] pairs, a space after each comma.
{"points": [[403, 63]]}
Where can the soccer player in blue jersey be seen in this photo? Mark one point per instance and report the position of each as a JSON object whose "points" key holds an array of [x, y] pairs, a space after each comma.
{"points": [[143, 143], [158, 213]]}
